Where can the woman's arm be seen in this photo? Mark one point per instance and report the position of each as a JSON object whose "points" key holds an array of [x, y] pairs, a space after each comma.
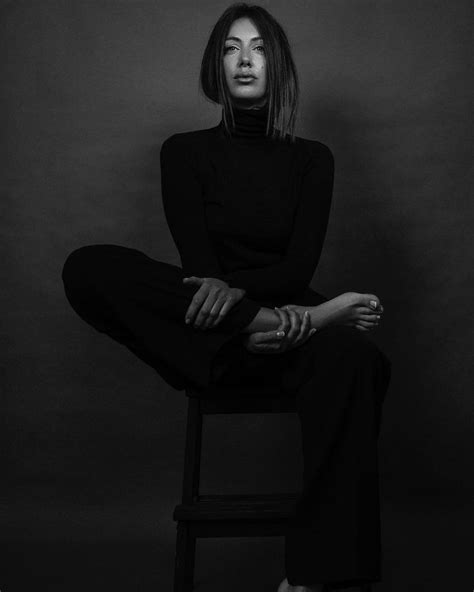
{"points": [[294, 272], [181, 194]]}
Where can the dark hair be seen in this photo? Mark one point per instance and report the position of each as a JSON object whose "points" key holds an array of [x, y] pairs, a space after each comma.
{"points": [[282, 77]]}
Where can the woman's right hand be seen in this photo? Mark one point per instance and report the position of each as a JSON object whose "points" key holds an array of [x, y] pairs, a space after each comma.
{"points": [[211, 302], [292, 332]]}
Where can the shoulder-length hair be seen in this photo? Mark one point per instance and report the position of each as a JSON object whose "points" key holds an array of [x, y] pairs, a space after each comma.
{"points": [[282, 78]]}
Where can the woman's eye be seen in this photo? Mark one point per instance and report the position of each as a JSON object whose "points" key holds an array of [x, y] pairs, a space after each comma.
{"points": [[229, 47]]}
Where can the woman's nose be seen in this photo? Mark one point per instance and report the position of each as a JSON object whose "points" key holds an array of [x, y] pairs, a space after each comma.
{"points": [[244, 58]]}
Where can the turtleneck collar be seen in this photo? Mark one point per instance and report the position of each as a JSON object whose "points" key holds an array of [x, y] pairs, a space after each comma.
{"points": [[250, 124]]}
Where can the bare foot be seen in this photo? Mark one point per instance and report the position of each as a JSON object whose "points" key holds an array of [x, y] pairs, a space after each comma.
{"points": [[351, 308]]}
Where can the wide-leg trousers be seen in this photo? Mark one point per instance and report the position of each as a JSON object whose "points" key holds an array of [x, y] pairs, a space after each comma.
{"points": [[339, 378]]}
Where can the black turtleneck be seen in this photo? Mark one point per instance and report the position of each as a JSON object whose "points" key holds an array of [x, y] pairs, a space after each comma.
{"points": [[248, 123], [248, 209]]}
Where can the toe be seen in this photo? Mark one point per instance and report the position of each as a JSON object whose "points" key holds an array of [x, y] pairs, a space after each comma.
{"points": [[372, 301]]}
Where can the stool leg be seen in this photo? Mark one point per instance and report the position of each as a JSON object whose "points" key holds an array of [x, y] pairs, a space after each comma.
{"points": [[185, 541], [184, 559], [192, 453]]}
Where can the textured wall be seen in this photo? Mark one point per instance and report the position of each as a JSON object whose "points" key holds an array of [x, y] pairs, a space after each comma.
{"points": [[89, 92]]}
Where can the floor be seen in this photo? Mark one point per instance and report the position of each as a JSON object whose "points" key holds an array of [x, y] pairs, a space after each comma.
{"points": [[130, 547]]}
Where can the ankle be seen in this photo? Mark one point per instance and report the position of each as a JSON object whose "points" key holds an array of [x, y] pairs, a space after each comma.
{"points": [[319, 315], [265, 320]]}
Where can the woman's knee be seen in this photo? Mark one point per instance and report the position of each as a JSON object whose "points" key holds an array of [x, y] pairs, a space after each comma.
{"points": [[76, 264], [87, 263]]}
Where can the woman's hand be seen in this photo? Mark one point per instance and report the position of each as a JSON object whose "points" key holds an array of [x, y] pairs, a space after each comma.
{"points": [[292, 332], [211, 302]]}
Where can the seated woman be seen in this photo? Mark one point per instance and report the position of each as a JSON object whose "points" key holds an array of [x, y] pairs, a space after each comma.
{"points": [[247, 203]]}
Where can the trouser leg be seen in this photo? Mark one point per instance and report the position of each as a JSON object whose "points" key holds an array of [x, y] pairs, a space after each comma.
{"points": [[339, 379], [334, 536], [141, 302]]}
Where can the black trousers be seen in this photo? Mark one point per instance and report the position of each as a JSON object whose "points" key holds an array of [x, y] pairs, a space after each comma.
{"points": [[339, 378]]}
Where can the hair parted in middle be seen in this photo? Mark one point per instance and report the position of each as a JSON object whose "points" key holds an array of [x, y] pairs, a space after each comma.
{"points": [[282, 78]]}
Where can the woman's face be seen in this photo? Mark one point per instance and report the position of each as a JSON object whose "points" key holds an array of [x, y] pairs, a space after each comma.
{"points": [[244, 54]]}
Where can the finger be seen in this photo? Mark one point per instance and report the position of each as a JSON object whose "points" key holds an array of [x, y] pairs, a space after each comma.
{"points": [[213, 318], [196, 303], [283, 319], [193, 280], [311, 332], [285, 322], [267, 348], [285, 315], [360, 327], [268, 337], [295, 325], [305, 328], [228, 304], [259, 341], [205, 309]]}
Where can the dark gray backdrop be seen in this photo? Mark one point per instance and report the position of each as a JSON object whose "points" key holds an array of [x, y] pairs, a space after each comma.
{"points": [[93, 436]]}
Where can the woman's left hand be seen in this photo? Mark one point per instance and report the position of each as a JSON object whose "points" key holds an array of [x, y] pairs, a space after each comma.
{"points": [[296, 330], [211, 302]]}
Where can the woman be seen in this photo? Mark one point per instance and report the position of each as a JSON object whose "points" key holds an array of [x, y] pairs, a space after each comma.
{"points": [[247, 203]]}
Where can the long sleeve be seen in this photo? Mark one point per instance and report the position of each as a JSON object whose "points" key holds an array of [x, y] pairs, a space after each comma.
{"points": [[293, 273], [184, 210]]}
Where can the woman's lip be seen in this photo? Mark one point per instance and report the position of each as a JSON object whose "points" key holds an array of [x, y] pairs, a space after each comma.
{"points": [[245, 78]]}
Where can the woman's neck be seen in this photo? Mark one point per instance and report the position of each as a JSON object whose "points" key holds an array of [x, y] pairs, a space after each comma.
{"points": [[249, 122]]}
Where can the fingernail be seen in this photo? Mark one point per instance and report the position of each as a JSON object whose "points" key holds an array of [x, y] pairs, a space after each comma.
{"points": [[306, 313], [187, 321], [312, 332], [373, 304], [281, 334]]}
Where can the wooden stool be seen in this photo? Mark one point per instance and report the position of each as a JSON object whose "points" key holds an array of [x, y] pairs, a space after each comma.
{"points": [[224, 515]]}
